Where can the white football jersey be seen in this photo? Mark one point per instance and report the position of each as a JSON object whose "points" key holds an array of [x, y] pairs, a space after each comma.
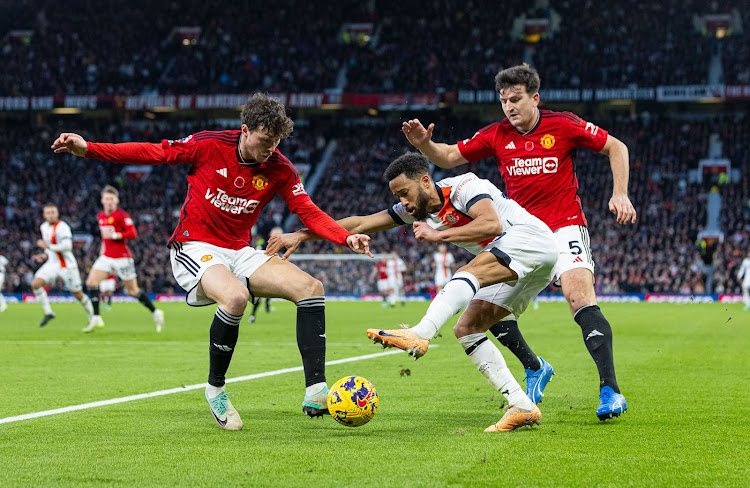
{"points": [[443, 263], [3, 263], [458, 194], [396, 268], [60, 240], [744, 272]]}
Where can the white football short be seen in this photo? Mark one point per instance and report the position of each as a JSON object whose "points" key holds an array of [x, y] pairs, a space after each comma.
{"points": [[530, 251], [383, 286], [441, 279], [70, 275], [575, 250], [2, 281], [123, 268], [191, 259], [107, 285]]}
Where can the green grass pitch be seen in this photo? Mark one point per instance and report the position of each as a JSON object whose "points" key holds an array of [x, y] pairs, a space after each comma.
{"points": [[683, 368]]}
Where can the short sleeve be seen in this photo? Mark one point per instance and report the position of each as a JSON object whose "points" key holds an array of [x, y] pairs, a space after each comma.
{"points": [[399, 215], [480, 145], [585, 134], [469, 191]]}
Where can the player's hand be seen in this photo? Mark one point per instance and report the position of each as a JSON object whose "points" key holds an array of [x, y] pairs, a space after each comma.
{"points": [[415, 132], [70, 143], [39, 258], [109, 233], [42, 244], [359, 243], [289, 241], [423, 232], [622, 208]]}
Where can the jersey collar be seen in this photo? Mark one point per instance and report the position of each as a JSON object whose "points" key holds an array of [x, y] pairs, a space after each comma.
{"points": [[538, 121], [238, 155]]}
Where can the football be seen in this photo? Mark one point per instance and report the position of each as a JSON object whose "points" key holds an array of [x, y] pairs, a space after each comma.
{"points": [[352, 401]]}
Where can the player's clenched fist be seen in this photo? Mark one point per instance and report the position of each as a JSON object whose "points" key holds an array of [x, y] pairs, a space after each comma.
{"points": [[70, 143]]}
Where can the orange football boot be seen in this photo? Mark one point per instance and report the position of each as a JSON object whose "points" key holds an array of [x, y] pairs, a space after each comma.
{"points": [[516, 417], [403, 339]]}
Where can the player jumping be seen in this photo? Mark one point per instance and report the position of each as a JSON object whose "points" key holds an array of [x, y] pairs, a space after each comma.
{"points": [[533, 149], [233, 175]]}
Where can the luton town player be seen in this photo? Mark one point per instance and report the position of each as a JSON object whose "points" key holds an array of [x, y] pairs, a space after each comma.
{"points": [[533, 149], [116, 228], [233, 174]]}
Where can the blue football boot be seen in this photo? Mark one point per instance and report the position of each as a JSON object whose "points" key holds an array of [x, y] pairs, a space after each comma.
{"points": [[536, 381], [611, 404]]}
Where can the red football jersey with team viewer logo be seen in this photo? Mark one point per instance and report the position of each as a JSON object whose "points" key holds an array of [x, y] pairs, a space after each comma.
{"points": [[537, 166], [225, 196], [117, 221]]}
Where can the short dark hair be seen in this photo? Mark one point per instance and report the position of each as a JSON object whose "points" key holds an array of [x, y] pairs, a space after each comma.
{"points": [[411, 164], [110, 189], [523, 74], [49, 204], [268, 112]]}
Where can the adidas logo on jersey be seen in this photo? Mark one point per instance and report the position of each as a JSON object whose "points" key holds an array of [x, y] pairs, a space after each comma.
{"points": [[222, 172], [510, 146], [578, 260]]}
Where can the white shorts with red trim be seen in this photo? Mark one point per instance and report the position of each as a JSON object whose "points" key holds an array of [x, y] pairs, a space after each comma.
{"points": [[575, 250], [70, 275], [123, 268], [191, 259], [530, 251]]}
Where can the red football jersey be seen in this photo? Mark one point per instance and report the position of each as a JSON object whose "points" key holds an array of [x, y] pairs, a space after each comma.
{"points": [[117, 221], [382, 270], [537, 167], [225, 196]]}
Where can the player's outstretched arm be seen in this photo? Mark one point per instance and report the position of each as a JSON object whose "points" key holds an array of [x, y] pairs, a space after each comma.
{"points": [[69, 142], [486, 224], [619, 160], [359, 243], [443, 155]]}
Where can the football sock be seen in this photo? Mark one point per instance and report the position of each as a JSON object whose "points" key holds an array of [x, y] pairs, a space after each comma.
{"points": [[224, 332], [86, 304], [489, 361], [311, 338], [268, 305], [93, 293], [2, 300], [41, 297], [509, 336], [146, 301], [456, 295], [597, 335], [256, 305]]}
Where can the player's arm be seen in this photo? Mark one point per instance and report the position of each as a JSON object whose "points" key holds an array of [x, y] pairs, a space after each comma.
{"points": [[443, 155], [65, 244], [619, 160], [356, 224], [141, 153], [486, 225], [323, 225]]}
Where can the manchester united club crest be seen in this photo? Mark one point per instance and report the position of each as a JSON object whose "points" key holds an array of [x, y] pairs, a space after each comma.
{"points": [[110, 220], [529, 146], [259, 182], [547, 141], [206, 258]]}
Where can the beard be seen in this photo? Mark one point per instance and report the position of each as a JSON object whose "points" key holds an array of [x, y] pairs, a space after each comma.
{"points": [[420, 209]]}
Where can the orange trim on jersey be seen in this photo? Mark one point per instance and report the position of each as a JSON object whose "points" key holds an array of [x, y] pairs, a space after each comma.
{"points": [[452, 217], [53, 240]]}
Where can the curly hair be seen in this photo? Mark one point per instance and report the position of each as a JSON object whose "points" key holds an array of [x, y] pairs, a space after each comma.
{"points": [[523, 74], [411, 164], [263, 111]]}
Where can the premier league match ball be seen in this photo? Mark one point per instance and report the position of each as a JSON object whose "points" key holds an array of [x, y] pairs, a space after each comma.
{"points": [[352, 401]]}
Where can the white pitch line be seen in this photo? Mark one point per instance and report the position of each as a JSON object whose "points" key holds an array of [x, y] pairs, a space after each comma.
{"points": [[180, 389], [162, 343]]}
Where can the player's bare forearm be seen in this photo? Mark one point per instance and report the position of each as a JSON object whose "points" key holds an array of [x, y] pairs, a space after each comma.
{"points": [[619, 160], [478, 230], [443, 155]]}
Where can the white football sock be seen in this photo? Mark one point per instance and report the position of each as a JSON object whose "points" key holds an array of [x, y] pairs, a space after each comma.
{"points": [[41, 297], [213, 391], [313, 389], [456, 295], [86, 304], [489, 361]]}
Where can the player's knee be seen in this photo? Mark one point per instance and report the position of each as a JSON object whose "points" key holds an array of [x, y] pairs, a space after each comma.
{"points": [[578, 300], [133, 292], [91, 283], [235, 301], [313, 288]]}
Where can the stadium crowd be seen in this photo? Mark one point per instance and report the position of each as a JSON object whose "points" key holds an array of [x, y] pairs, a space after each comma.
{"points": [[409, 46], [658, 254]]}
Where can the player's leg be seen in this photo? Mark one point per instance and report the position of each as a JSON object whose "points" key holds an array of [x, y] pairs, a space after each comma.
{"points": [[126, 273], [484, 270], [277, 278], [99, 271], [46, 274], [256, 305], [3, 304], [470, 332], [746, 295], [72, 279], [578, 288]]}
